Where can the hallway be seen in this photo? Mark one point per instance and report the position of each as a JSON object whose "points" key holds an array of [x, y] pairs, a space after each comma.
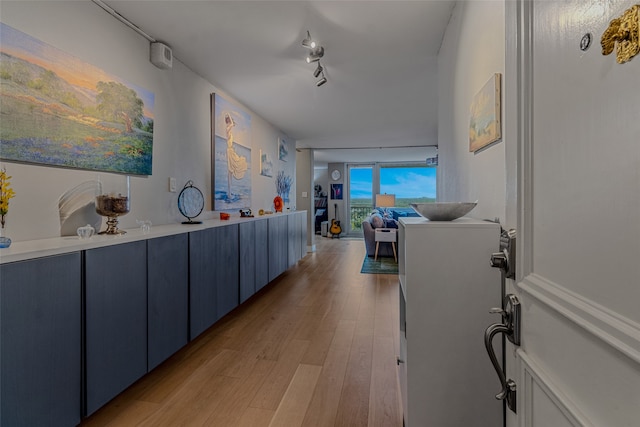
{"points": [[317, 347]]}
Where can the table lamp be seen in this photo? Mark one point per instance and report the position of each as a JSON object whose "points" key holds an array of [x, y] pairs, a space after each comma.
{"points": [[385, 201]]}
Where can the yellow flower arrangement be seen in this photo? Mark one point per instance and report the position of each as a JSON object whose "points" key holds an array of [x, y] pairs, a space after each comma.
{"points": [[6, 193]]}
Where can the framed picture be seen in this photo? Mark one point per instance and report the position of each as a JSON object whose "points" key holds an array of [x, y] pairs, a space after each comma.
{"points": [[266, 165], [230, 155], [59, 110], [336, 191], [484, 121], [283, 150]]}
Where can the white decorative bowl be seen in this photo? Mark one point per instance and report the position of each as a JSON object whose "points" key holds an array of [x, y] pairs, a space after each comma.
{"points": [[443, 211]]}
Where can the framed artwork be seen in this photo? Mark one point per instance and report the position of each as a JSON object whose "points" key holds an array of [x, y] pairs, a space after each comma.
{"points": [[336, 191], [58, 110], [230, 155], [283, 150], [484, 121], [266, 165]]}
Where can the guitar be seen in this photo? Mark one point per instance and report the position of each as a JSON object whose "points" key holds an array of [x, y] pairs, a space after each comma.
{"points": [[335, 229]]}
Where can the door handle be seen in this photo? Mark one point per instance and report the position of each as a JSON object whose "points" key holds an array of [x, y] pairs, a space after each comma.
{"points": [[511, 329]]}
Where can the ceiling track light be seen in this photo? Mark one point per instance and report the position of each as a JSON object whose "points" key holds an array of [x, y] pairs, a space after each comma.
{"points": [[322, 81], [318, 70], [308, 42], [315, 55]]}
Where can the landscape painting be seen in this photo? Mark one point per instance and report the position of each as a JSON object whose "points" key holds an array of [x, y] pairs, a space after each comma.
{"points": [[231, 139], [484, 121], [61, 111]]}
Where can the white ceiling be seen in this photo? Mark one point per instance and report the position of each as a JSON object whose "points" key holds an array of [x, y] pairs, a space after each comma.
{"points": [[380, 61]]}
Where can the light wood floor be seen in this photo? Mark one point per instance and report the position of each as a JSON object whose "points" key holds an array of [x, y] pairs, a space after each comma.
{"points": [[315, 348]]}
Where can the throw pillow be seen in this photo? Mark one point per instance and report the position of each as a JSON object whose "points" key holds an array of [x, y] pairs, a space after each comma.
{"points": [[390, 223], [376, 221]]}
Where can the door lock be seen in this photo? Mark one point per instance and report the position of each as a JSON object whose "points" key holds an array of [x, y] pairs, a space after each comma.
{"points": [[505, 260]]}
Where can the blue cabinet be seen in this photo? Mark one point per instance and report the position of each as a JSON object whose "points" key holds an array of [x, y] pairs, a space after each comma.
{"points": [[278, 245], [262, 254], [40, 361], [167, 297], [254, 259], [214, 277], [116, 320], [247, 233]]}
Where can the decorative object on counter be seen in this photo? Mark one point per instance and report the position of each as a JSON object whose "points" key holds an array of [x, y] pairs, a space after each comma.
{"points": [[623, 34], [190, 203], [261, 212], [85, 232], [277, 204], [484, 119], [224, 216], [246, 213], [443, 211], [77, 207], [113, 202], [6, 193], [145, 225]]}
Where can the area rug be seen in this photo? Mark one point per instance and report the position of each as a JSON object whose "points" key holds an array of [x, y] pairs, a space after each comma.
{"points": [[383, 265]]}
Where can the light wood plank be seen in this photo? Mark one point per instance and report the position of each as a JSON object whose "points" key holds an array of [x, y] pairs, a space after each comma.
{"points": [[293, 406]]}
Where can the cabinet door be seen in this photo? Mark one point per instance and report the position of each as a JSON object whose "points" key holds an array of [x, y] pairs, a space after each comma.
{"points": [[247, 232], [302, 233], [293, 245], [40, 362], [278, 233], [116, 320], [227, 276], [167, 297], [262, 255], [202, 290]]}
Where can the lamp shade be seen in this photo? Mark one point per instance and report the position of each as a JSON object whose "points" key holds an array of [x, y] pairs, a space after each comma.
{"points": [[385, 200]]}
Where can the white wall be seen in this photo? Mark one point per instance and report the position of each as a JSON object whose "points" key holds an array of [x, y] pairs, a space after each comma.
{"points": [[182, 132], [472, 51]]}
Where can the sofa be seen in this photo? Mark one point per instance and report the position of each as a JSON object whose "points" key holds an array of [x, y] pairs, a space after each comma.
{"points": [[377, 220]]}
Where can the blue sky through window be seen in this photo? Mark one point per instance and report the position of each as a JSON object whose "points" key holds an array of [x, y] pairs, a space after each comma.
{"points": [[404, 182]]}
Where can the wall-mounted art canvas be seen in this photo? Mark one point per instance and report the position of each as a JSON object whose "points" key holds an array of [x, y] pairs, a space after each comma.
{"points": [[231, 162], [266, 165], [484, 121], [61, 111], [283, 150], [336, 191]]}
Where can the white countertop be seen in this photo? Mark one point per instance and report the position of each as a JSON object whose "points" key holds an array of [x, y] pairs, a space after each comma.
{"points": [[414, 221], [20, 251]]}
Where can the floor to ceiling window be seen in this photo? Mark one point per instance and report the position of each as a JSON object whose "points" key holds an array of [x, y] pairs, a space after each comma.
{"points": [[409, 182], [361, 194]]}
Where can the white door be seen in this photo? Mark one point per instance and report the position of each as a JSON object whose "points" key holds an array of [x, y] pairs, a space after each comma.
{"points": [[572, 125]]}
